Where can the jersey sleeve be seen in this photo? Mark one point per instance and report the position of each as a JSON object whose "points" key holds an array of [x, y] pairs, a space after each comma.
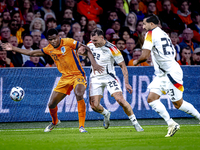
{"points": [[71, 43], [148, 42], [46, 50], [117, 55]]}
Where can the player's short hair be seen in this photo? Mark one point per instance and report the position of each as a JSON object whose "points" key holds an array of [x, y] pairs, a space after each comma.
{"points": [[152, 18], [51, 32], [97, 31]]}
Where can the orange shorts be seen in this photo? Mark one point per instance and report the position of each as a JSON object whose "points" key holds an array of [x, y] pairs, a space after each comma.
{"points": [[66, 84]]}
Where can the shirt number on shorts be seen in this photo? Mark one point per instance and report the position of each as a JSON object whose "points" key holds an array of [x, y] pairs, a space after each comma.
{"points": [[112, 84], [170, 92], [164, 46]]}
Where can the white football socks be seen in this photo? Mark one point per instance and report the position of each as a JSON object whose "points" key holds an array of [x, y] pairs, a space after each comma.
{"points": [[105, 112], [133, 119], [161, 110], [189, 109]]}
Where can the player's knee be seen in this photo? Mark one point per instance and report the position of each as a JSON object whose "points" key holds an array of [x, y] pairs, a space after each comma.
{"points": [[79, 95], [121, 101], [149, 99], [52, 105], [176, 105]]}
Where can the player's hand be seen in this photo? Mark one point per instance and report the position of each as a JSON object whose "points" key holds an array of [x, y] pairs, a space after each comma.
{"points": [[129, 88], [81, 50], [85, 46], [7, 46], [98, 68]]}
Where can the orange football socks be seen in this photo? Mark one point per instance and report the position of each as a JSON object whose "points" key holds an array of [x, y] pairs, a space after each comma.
{"points": [[53, 113], [81, 112]]}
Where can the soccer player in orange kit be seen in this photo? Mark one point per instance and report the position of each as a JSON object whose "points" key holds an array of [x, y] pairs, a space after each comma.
{"points": [[64, 52]]}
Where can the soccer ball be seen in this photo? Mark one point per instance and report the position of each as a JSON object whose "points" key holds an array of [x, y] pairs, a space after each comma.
{"points": [[17, 93]]}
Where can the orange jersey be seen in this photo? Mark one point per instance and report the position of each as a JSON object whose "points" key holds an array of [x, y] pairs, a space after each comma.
{"points": [[65, 57]]}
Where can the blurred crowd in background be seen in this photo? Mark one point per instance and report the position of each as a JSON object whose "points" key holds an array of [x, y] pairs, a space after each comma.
{"points": [[24, 24]]}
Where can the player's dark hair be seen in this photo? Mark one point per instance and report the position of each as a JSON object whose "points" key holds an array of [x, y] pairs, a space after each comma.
{"points": [[51, 32], [97, 31], [152, 18]]}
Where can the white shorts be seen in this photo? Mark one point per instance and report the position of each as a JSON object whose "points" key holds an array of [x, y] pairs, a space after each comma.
{"points": [[97, 85], [167, 85]]}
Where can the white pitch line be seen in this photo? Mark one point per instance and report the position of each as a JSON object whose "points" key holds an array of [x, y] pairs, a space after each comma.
{"points": [[16, 130]]}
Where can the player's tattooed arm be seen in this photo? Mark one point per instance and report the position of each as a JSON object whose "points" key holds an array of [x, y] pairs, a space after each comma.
{"points": [[145, 55], [83, 49], [125, 74]]}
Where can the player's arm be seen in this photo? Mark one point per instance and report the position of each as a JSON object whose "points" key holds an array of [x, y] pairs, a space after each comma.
{"points": [[125, 74], [34, 53], [145, 55], [82, 50], [85, 50]]}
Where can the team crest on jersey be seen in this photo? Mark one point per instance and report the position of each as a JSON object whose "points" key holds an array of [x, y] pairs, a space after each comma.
{"points": [[63, 50]]}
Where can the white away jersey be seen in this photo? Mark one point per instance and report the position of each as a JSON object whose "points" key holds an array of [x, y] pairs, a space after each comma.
{"points": [[105, 56], [162, 51]]}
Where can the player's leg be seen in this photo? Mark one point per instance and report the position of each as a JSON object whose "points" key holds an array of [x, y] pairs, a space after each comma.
{"points": [[95, 103], [187, 107], [55, 98], [127, 109], [97, 86], [97, 107], [155, 103], [79, 92], [156, 90]]}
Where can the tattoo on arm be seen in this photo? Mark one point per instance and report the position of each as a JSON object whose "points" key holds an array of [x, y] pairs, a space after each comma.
{"points": [[124, 71]]}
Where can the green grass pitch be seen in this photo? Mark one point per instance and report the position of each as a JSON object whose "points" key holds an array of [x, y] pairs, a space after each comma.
{"points": [[97, 138]]}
